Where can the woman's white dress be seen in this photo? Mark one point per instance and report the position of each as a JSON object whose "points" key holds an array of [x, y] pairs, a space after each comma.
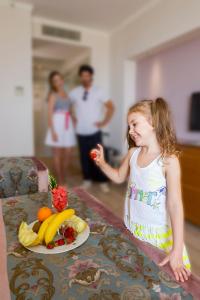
{"points": [[62, 124]]}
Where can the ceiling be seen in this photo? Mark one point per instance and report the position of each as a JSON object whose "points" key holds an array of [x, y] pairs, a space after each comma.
{"points": [[48, 56], [104, 15], [48, 49]]}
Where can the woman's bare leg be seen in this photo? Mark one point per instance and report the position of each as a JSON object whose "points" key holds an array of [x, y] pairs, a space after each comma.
{"points": [[57, 159], [67, 159]]}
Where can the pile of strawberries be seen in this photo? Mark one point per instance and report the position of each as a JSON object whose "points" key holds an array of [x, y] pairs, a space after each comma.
{"points": [[60, 200], [57, 243], [69, 236]]}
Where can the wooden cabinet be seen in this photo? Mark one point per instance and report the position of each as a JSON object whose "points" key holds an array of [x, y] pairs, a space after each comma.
{"points": [[190, 166]]}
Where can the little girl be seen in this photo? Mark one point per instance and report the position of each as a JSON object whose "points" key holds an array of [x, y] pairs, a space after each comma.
{"points": [[153, 206]]}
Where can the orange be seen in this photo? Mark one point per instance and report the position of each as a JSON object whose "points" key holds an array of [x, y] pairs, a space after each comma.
{"points": [[43, 213]]}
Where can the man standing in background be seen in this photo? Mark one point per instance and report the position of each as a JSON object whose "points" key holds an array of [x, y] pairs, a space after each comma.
{"points": [[92, 110]]}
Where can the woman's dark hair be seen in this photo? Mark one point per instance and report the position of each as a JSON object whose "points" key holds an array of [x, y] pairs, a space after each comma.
{"points": [[50, 79], [85, 68]]}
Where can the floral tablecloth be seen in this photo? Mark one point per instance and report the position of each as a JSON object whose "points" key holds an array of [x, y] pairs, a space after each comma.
{"points": [[110, 265]]}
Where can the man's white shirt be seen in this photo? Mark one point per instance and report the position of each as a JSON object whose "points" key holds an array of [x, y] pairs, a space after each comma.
{"points": [[88, 111]]}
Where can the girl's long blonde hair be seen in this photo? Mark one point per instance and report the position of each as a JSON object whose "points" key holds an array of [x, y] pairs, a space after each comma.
{"points": [[157, 111]]}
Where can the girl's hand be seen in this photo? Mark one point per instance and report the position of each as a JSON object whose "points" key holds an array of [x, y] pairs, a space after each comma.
{"points": [[175, 260], [54, 136], [99, 159]]}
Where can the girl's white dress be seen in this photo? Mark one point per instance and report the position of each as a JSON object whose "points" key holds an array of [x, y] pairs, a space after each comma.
{"points": [[62, 124], [146, 214]]}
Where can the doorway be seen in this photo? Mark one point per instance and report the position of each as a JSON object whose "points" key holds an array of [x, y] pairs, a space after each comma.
{"points": [[49, 56]]}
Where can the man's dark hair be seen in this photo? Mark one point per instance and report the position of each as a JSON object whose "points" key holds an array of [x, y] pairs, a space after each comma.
{"points": [[85, 68]]}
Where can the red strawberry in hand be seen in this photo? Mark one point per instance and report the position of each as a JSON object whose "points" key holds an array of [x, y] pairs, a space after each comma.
{"points": [[93, 154]]}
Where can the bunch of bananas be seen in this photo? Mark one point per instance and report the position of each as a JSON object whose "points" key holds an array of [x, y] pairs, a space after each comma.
{"points": [[47, 230]]}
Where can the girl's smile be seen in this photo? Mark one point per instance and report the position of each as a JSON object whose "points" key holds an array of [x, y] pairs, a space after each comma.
{"points": [[135, 137], [140, 129]]}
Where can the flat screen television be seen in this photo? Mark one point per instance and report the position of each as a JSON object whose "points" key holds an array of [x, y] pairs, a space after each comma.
{"points": [[195, 112]]}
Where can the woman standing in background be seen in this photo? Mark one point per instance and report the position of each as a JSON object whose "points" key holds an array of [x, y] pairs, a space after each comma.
{"points": [[60, 135]]}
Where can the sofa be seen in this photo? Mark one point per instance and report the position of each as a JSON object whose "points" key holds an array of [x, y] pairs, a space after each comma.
{"points": [[18, 176]]}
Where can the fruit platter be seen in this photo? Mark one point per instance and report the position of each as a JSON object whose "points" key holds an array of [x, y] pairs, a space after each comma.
{"points": [[55, 230]]}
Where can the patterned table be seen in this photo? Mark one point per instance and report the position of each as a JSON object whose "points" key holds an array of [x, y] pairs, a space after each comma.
{"points": [[110, 265]]}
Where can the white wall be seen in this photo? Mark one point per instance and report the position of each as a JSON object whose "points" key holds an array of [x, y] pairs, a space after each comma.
{"points": [[173, 73], [97, 41], [17, 28], [16, 130], [155, 26]]}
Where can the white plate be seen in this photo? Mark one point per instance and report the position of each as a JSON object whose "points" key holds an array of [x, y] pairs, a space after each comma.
{"points": [[80, 239]]}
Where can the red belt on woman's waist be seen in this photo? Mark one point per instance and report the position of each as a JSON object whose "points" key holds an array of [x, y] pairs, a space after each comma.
{"points": [[67, 117]]}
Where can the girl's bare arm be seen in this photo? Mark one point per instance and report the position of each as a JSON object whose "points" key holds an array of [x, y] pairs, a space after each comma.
{"points": [[116, 175]]}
